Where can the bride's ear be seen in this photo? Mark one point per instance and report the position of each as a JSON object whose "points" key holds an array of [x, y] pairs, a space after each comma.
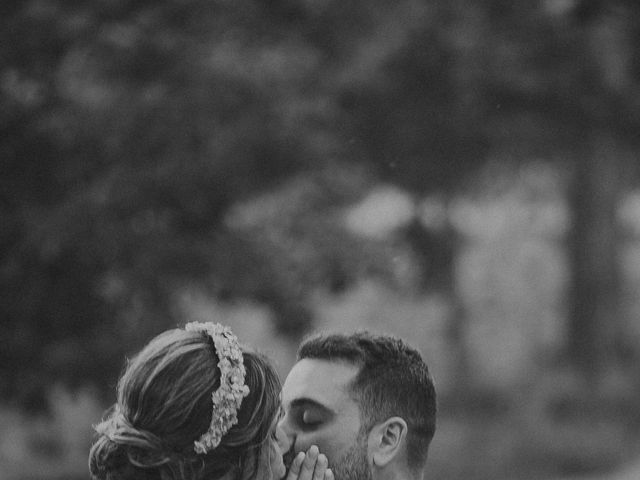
{"points": [[386, 441]]}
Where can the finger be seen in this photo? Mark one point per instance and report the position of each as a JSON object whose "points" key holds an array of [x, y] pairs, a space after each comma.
{"points": [[328, 474], [321, 467], [296, 465], [309, 463]]}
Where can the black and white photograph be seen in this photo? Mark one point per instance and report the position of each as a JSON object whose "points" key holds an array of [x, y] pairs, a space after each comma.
{"points": [[319, 240]]}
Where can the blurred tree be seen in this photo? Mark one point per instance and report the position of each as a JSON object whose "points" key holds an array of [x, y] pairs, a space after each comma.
{"points": [[130, 130], [610, 92], [127, 130], [458, 83], [566, 83]]}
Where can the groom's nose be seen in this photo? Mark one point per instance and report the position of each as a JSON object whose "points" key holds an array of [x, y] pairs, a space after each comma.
{"points": [[282, 439], [288, 433]]}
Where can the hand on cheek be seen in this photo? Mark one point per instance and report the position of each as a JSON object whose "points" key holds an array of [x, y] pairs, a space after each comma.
{"points": [[311, 465]]}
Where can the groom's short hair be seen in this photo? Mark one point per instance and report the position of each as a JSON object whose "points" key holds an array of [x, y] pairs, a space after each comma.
{"points": [[393, 380]]}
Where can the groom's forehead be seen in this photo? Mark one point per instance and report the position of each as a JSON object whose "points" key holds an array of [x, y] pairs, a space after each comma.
{"points": [[322, 381]]}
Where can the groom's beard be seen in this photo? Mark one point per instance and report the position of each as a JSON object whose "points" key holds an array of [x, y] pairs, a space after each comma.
{"points": [[353, 464]]}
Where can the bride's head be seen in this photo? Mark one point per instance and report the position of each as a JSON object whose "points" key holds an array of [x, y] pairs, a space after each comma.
{"points": [[166, 425]]}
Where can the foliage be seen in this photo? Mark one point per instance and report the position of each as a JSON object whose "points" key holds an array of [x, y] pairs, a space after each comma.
{"points": [[53, 446], [126, 137], [133, 132]]}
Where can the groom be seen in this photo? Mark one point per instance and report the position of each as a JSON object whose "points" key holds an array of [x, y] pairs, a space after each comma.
{"points": [[367, 401]]}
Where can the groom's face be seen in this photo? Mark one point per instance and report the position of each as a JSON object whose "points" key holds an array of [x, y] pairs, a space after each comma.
{"points": [[319, 411]]}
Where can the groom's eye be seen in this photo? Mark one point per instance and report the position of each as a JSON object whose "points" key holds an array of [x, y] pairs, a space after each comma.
{"points": [[312, 418], [308, 415]]}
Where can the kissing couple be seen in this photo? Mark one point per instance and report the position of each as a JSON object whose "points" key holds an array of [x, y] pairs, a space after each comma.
{"points": [[195, 404]]}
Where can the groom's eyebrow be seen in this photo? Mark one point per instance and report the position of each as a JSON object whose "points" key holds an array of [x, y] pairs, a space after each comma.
{"points": [[309, 402]]}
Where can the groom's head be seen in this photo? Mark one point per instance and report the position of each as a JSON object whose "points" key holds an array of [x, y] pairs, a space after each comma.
{"points": [[367, 401]]}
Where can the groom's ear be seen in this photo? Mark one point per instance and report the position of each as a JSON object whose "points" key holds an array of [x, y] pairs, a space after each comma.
{"points": [[386, 441]]}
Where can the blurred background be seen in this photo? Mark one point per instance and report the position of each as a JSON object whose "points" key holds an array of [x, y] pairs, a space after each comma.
{"points": [[459, 173]]}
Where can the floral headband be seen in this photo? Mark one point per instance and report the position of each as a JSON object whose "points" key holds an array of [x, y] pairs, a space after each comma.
{"points": [[228, 397]]}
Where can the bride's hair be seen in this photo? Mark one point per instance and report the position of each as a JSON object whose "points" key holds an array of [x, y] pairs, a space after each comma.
{"points": [[164, 404]]}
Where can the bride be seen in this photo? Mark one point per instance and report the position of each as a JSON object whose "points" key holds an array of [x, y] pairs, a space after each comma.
{"points": [[195, 405]]}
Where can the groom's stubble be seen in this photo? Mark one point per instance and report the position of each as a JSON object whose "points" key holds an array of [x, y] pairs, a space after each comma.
{"points": [[352, 465]]}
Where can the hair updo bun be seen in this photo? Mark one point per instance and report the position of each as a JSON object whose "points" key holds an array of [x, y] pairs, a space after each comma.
{"points": [[123, 452]]}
